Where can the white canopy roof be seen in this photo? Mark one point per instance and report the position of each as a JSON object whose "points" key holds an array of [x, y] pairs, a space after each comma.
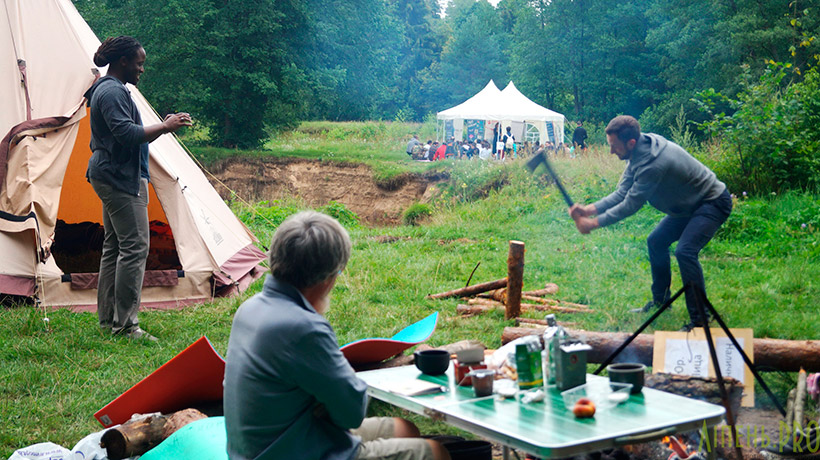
{"points": [[506, 105]]}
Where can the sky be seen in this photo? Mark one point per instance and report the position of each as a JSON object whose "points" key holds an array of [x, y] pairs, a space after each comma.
{"points": [[443, 3]]}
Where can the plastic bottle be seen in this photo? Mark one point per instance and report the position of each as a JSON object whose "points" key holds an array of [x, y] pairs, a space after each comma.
{"points": [[555, 342], [549, 332]]}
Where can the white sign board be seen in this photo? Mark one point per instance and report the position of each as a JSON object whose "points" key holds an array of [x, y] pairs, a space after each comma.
{"points": [[687, 353]]}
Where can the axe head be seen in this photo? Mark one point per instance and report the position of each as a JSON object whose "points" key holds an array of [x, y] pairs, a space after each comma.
{"points": [[536, 161]]}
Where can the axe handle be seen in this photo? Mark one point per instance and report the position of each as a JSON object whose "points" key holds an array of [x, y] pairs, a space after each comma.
{"points": [[558, 183]]}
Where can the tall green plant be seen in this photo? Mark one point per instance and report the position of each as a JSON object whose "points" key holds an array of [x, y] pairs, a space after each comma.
{"points": [[771, 136]]}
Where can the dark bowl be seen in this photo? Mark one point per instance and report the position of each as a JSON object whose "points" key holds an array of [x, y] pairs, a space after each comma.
{"points": [[432, 362], [627, 373]]}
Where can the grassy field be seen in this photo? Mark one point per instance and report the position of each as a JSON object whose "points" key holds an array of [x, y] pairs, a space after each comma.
{"points": [[762, 273]]}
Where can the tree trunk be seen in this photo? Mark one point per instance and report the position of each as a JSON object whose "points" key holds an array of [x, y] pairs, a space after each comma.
{"points": [[470, 290], [782, 355], [515, 275]]}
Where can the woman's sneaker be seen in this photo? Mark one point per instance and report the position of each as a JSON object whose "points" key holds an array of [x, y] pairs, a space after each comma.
{"points": [[138, 333]]}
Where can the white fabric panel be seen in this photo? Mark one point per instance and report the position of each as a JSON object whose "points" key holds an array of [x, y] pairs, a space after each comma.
{"points": [[508, 106]]}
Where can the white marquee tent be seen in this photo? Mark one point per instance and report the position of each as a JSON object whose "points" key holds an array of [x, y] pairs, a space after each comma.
{"points": [[529, 121]]}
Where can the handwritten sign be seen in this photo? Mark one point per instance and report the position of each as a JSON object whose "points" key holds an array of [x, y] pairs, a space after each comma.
{"points": [[687, 353]]}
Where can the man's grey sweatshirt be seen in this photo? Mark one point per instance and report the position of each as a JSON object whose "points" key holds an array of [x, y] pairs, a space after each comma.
{"points": [[664, 174]]}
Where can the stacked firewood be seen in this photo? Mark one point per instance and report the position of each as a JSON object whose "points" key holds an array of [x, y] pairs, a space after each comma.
{"points": [[481, 298]]}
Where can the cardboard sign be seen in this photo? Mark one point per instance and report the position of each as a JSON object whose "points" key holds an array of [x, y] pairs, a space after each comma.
{"points": [[687, 353]]}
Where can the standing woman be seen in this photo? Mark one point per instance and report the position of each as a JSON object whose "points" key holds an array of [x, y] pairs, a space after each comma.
{"points": [[118, 172]]}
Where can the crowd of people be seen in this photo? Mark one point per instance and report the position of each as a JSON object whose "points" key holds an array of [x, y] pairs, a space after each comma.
{"points": [[482, 149]]}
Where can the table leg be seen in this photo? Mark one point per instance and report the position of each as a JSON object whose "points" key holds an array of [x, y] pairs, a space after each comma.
{"points": [[505, 453]]}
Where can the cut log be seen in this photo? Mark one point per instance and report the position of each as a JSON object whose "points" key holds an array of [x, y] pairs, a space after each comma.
{"points": [[544, 301], [137, 437], [543, 322], [478, 308], [515, 277], [770, 354], [790, 408], [549, 289], [470, 290], [800, 398], [704, 389], [485, 302]]}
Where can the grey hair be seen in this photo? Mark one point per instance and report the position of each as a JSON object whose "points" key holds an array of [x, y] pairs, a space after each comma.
{"points": [[308, 248]]}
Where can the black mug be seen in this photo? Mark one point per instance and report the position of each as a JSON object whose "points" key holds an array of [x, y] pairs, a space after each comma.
{"points": [[627, 373]]}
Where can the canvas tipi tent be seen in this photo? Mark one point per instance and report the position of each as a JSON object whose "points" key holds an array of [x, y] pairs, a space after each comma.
{"points": [[50, 234], [508, 107]]}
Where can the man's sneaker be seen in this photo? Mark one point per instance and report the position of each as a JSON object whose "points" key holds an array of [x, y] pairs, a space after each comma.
{"points": [[646, 308], [695, 323], [106, 329], [138, 333]]}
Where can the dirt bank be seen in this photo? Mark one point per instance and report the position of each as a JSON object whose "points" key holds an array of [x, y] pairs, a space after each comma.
{"points": [[319, 182]]}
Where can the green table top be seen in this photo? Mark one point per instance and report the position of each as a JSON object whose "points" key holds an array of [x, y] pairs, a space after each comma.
{"points": [[546, 429]]}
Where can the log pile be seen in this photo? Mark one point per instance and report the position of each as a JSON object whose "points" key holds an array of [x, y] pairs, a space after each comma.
{"points": [[507, 293]]}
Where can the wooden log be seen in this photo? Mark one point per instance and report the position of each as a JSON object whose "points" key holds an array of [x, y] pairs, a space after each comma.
{"points": [[470, 290], [770, 354], [137, 437], [515, 276], [704, 389], [541, 300], [543, 322], [478, 308], [790, 408], [485, 302], [800, 398], [549, 289]]}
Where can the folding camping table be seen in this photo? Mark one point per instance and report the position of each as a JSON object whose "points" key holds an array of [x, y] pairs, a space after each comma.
{"points": [[546, 429]]}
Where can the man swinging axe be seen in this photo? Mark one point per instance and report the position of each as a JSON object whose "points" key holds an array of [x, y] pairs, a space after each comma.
{"points": [[695, 202]]}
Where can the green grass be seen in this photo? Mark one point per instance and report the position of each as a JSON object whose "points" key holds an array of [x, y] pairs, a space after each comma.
{"points": [[761, 270], [380, 145]]}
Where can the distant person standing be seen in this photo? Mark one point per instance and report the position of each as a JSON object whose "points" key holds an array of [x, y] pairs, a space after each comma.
{"points": [[509, 142], [118, 172], [426, 149], [414, 146], [579, 137]]}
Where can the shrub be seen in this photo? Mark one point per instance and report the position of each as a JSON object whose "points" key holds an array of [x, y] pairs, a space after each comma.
{"points": [[771, 140], [416, 212], [339, 211]]}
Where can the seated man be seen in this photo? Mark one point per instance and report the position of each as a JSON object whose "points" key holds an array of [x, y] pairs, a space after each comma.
{"points": [[289, 392]]}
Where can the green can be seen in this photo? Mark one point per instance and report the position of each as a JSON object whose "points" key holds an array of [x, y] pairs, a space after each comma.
{"points": [[528, 364]]}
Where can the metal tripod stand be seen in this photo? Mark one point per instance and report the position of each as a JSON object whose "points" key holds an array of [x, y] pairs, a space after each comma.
{"points": [[704, 308]]}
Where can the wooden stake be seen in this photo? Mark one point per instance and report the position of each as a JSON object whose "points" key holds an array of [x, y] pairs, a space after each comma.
{"points": [[800, 398], [515, 275], [790, 408], [470, 290]]}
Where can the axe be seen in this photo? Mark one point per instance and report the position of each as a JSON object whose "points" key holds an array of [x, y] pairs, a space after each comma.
{"points": [[541, 158]]}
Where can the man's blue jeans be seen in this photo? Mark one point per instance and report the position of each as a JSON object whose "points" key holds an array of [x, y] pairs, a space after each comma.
{"points": [[692, 234]]}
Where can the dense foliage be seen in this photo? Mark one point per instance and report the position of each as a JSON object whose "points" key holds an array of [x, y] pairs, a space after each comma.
{"points": [[770, 141], [243, 67]]}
